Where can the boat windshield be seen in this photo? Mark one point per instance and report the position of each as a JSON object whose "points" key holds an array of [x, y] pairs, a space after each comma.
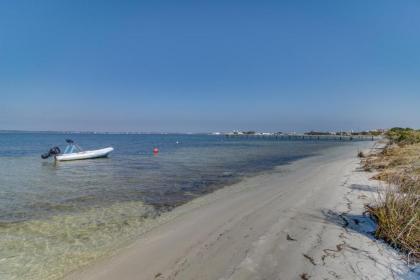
{"points": [[72, 148]]}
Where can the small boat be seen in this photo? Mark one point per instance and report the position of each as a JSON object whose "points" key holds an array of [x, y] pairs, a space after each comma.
{"points": [[75, 152]]}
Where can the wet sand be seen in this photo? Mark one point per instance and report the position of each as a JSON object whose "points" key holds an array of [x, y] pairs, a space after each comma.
{"points": [[300, 221]]}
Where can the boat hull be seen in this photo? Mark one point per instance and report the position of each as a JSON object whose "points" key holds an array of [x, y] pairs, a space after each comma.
{"points": [[85, 155]]}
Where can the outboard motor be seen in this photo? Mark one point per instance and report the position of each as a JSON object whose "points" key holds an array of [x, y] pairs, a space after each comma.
{"points": [[53, 151]]}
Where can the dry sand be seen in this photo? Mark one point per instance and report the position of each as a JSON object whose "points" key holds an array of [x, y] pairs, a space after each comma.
{"points": [[303, 220]]}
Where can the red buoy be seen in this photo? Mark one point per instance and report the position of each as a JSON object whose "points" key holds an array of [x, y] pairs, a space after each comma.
{"points": [[155, 151]]}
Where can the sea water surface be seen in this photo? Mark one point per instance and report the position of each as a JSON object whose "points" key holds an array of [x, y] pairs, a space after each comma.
{"points": [[56, 217]]}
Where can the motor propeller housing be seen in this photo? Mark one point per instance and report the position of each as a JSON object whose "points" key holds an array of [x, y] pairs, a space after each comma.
{"points": [[53, 151]]}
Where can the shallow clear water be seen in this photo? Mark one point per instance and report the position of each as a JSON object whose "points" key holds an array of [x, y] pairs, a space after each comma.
{"points": [[55, 217]]}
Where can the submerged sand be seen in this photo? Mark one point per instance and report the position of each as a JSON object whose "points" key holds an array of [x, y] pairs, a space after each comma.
{"points": [[304, 220]]}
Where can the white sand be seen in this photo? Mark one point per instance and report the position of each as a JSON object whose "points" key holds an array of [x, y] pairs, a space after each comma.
{"points": [[241, 231]]}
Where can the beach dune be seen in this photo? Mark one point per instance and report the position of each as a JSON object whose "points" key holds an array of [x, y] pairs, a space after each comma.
{"points": [[286, 224]]}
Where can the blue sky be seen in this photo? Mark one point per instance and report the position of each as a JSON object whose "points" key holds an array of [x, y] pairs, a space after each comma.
{"points": [[195, 66]]}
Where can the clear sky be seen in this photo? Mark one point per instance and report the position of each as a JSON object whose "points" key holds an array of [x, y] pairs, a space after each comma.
{"points": [[196, 66]]}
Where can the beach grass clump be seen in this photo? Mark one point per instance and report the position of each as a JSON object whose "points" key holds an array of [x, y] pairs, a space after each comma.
{"points": [[397, 209], [398, 217]]}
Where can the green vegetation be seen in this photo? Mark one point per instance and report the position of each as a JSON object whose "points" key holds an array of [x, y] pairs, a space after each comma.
{"points": [[374, 133], [397, 210], [403, 136]]}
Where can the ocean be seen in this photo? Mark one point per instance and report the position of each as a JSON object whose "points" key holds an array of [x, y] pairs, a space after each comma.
{"points": [[57, 217]]}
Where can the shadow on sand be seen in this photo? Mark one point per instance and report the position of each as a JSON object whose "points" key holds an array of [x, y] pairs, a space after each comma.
{"points": [[365, 188], [363, 224]]}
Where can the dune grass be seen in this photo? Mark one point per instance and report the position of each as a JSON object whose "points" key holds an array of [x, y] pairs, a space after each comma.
{"points": [[403, 136], [397, 209]]}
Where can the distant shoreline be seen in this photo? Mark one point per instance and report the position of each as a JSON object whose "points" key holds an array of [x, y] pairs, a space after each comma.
{"points": [[231, 134], [96, 132]]}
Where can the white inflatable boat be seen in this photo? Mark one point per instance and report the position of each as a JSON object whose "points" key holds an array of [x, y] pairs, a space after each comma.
{"points": [[85, 154], [74, 152]]}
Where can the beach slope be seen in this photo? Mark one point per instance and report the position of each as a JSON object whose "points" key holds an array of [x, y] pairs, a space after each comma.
{"points": [[299, 221]]}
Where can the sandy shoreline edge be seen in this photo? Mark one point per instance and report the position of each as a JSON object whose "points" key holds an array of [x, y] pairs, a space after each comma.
{"points": [[302, 220]]}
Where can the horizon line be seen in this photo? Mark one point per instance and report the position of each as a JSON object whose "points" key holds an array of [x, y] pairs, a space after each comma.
{"points": [[168, 132]]}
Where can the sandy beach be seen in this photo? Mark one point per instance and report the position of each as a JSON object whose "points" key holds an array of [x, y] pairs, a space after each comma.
{"points": [[209, 140], [302, 220]]}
